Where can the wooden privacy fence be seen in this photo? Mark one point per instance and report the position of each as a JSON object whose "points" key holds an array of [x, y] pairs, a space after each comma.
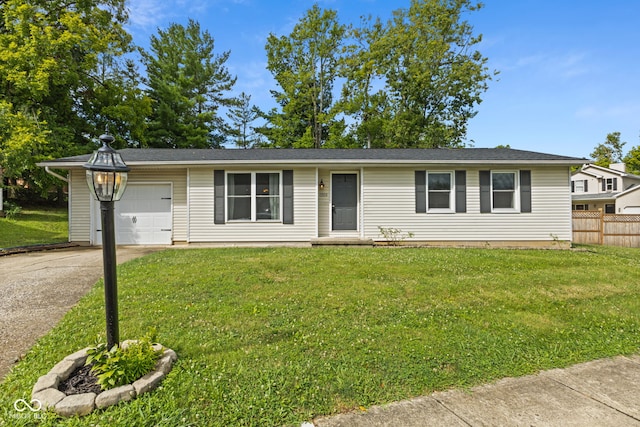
{"points": [[597, 228]]}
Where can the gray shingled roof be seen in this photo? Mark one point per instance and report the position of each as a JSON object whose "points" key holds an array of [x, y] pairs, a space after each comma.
{"points": [[594, 196], [149, 156]]}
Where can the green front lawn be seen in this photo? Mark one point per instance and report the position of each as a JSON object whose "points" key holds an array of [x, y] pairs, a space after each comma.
{"points": [[270, 337], [32, 226]]}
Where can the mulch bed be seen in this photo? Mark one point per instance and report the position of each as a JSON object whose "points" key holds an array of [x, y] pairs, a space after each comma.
{"points": [[82, 380]]}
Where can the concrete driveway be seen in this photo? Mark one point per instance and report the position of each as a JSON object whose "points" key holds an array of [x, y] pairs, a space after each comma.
{"points": [[38, 288]]}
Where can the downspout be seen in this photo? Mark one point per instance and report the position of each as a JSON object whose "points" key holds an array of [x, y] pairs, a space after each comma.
{"points": [[52, 173], [362, 218]]}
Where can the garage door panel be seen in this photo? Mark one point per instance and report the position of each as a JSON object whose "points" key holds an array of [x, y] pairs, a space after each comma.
{"points": [[143, 216]]}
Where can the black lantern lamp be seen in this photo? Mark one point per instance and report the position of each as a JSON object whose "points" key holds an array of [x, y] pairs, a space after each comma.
{"points": [[107, 179], [106, 172]]}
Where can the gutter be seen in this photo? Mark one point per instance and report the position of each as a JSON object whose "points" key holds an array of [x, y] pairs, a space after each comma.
{"points": [[325, 162], [52, 173]]}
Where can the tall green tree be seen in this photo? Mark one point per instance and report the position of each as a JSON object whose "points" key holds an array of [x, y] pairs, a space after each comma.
{"points": [[414, 81], [632, 160], [305, 65], [50, 52], [188, 83], [116, 103], [363, 97], [241, 116], [608, 152], [433, 75]]}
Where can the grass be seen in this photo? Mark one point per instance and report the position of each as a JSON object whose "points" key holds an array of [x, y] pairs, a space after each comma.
{"points": [[277, 336], [34, 226]]}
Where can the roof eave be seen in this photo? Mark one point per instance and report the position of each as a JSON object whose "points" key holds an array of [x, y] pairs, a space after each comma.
{"points": [[321, 162]]}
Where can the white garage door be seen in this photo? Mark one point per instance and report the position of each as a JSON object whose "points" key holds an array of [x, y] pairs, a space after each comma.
{"points": [[632, 210], [142, 216]]}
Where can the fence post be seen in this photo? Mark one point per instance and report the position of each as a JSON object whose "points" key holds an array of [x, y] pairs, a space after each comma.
{"points": [[601, 226]]}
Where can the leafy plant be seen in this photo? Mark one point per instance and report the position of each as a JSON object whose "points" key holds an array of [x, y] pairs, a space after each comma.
{"points": [[11, 209], [122, 365], [394, 235]]}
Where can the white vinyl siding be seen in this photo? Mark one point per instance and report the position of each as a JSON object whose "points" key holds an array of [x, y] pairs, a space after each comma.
{"points": [[629, 202], [80, 207], [201, 211], [389, 201], [324, 204]]}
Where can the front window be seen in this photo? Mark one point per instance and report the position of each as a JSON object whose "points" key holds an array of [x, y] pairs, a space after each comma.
{"points": [[253, 196], [439, 190], [239, 196], [578, 186], [609, 208], [267, 196], [503, 190]]}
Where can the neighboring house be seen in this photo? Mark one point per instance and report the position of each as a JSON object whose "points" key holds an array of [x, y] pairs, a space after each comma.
{"points": [[463, 197], [610, 190]]}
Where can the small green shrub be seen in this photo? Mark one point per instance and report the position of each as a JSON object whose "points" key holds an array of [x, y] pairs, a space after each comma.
{"points": [[119, 366], [394, 235], [11, 209]]}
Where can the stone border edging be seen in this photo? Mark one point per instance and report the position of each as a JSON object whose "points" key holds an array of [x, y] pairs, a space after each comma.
{"points": [[46, 390]]}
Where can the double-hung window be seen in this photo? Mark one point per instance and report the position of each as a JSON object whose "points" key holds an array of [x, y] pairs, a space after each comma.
{"points": [[503, 191], [253, 196], [610, 184], [440, 191]]}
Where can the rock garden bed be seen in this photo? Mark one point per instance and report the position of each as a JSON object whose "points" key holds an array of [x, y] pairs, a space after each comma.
{"points": [[70, 388]]}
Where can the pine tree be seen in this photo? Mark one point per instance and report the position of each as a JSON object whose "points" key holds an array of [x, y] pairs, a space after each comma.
{"points": [[188, 84]]}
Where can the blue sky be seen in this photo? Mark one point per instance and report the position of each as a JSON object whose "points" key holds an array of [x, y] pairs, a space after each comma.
{"points": [[569, 71]]}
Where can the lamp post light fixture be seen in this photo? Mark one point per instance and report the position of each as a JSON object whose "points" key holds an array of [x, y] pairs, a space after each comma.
{"points": [[107, 180]]}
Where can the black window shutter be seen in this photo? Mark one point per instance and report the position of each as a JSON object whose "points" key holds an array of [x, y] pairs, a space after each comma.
{"points": [[421, 191], [615, 184], [461, 191], [586, 185], [485, 191], [287, 197], [604, 184], [525, 191], [218, 197], [573, 187]]}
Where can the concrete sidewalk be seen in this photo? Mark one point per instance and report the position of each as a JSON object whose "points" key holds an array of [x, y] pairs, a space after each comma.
{"points": [[600, 393]]}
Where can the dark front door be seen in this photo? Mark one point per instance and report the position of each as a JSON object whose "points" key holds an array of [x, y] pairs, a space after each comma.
{"points": [[345, 201]]}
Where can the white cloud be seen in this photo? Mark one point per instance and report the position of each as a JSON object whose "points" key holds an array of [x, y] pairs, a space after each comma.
{"points": [[147, 14], [571, 65], [564, 65], [624, 111], [194, 8]]}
